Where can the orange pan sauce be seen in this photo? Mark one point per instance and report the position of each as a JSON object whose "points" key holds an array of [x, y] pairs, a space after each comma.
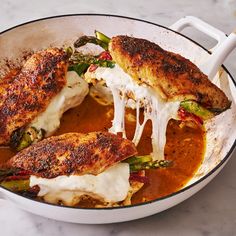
{"points": [[185, 146]]}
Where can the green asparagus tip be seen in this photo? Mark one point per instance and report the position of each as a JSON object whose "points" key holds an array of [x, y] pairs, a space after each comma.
{"points": [[102, 37]]}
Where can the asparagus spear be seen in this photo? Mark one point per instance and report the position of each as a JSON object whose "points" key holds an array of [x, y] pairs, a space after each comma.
{"points": [[139, 159], [80, 62], [138, 163], [23, 138], [14, 179], [89, 39], [150, 165], [99, 39], [16, 185], [196, 109]]}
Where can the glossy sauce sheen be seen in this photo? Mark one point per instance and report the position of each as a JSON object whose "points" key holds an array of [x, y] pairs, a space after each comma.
{"points": [[185, 147]]}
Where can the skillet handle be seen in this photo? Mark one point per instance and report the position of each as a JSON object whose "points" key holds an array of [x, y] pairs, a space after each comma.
{"points": [[225, 44]]}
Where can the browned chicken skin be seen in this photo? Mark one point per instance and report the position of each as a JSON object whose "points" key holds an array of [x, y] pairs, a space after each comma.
{"points": [[30, 92], [171, 75], [73, 153]]}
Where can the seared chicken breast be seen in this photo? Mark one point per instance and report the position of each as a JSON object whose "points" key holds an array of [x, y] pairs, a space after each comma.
{"points": [[31, 90], [73, 167], [174, 77], [73, 153], [167, 85]]}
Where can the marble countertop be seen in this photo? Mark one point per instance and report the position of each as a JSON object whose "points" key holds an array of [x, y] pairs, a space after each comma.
{"points": [[212, 211]]}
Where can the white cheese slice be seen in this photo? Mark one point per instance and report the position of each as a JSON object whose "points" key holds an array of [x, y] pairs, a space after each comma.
{"points": [[70, 96], [110, 186], [155, 109]]}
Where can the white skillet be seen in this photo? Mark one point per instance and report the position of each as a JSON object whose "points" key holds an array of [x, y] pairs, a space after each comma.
{"points": [[221, 131]]}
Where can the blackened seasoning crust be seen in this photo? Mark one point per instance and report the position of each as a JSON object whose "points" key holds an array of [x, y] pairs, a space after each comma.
{"points": [[73, 153], [171, 75], [31, 90]]}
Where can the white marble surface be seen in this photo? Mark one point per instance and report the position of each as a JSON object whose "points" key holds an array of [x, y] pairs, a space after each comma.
{"points": [[212, 211]]}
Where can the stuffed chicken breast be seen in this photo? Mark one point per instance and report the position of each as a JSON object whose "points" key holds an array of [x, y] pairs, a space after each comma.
{"points": [[73, 166], [32, 102], [172, 76]]}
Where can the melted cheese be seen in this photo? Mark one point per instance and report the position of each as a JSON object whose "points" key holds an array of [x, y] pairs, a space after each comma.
{"points": [[70, 96], [155, 109], [69, 189]]}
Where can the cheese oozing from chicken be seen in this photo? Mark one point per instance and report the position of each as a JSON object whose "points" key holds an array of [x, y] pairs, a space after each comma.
{"points": [[126, 92], [110, 186], [70, 96]]}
